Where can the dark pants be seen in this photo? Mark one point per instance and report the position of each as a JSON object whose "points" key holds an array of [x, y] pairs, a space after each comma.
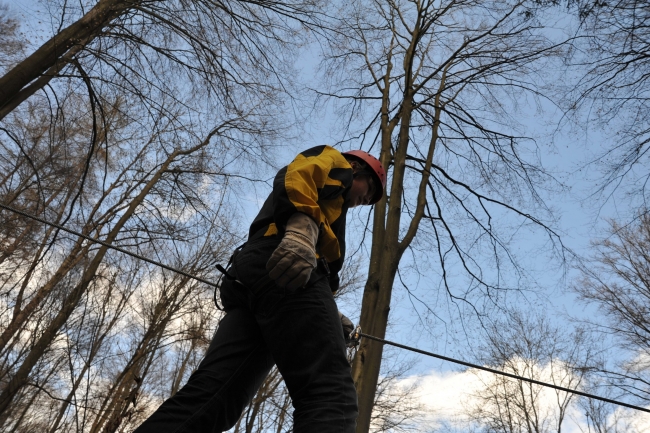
{"points": [[300, 332]]}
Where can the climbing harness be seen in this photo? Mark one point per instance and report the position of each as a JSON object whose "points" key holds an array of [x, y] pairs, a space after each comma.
{"points": [[355, 336], [225, 273]]}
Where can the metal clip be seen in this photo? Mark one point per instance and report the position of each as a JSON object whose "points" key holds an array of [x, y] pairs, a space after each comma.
{"points": [[355, 337]]}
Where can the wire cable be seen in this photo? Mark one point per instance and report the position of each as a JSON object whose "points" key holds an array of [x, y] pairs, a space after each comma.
{"points": [[503, 373], [370, 337], [116, 248]]}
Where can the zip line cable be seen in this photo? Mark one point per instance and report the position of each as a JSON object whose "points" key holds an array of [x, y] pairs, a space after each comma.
{"points": [[359, 333], [116, 248], [503, 373]]}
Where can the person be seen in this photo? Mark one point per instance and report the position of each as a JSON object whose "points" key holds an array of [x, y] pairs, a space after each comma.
{"points": [[279, 304]]}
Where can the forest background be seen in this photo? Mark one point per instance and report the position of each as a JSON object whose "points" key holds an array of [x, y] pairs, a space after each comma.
{"points": [[515, 233]]}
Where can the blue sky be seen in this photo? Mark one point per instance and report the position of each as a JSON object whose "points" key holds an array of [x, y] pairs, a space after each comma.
{"points": [[563, 150]]}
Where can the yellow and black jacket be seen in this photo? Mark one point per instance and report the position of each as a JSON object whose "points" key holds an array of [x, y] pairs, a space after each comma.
{"points": [[315, 183]]}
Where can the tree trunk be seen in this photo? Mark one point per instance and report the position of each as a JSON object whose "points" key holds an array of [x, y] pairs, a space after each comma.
{"points": [[50, 53], [385, 256], [387, 248], [41, 81]]}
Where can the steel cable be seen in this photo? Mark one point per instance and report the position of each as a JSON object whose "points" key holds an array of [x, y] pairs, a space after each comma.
{"points": [[370, 337], [503, 373], [116, 248]]}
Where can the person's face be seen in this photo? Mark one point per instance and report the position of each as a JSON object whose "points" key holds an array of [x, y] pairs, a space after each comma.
{"points": [[361, 192]]}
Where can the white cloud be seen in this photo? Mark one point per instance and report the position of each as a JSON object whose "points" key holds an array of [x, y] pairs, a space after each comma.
{"points": [[448, 397]]}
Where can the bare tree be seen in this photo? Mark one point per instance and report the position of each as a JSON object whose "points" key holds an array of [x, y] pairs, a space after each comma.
{"points": [[119, 401], [48, 294], [612, 59], [19, 378], [603, 417], [396, 407], [616, 280], [217, 43], [534, 348], [436, 87], [98, 320]]}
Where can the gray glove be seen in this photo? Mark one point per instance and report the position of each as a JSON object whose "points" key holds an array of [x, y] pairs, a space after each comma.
{"points": [[348, 328], [293, 260]]}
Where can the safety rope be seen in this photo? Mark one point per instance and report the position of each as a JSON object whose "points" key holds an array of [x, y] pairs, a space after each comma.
{"points": [[357, 331]]}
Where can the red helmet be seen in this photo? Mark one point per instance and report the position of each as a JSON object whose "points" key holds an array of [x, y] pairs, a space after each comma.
{"points": [[375, 168]]}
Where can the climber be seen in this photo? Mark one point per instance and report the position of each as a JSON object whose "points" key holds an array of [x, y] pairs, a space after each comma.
{"points": [[280, 309]]}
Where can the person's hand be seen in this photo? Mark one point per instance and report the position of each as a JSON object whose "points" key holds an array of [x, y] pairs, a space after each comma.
{"points": [[293, 260], [348, 328]]}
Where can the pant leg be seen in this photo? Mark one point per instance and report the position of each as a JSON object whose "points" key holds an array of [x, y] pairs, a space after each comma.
{"points": [[303, 332], [214, 397]]}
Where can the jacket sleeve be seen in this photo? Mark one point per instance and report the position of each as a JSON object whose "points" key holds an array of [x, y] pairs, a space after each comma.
{"points": [[315, 184]]}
